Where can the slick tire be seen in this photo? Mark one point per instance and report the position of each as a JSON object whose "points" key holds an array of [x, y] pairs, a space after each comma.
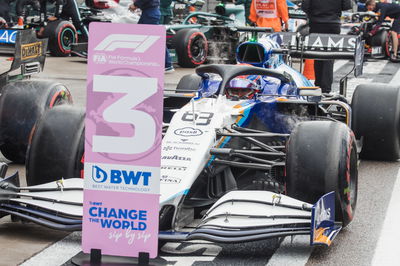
{"points": [[191, 47], [62, 34], [322, 157], [304, 29], [189, 83], [376, 120], [380, 39], [22, 103], [57, 146]]}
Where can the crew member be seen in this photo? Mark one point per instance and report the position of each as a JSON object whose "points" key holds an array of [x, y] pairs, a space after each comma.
{"points": [[21, 7], [5, 12], [270, 13], [324, 17], [151, 15], [247, 5], [391, 11], [65, 9], [166, 11]]}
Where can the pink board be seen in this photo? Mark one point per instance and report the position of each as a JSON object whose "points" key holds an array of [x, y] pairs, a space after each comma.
{"points": [[123, 138]]}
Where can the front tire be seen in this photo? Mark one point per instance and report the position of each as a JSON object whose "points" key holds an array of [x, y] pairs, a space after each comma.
{"points": [[57, 146], [189, 83], [322, 157]]}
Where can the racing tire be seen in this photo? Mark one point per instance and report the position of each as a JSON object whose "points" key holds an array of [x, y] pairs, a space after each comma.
{"points": [[389, 45], [22, 103], [380, 39], [189, 83], [57, 147], [304, 29], [376, 119], [191, 47], [322, 157], [62, 34]]}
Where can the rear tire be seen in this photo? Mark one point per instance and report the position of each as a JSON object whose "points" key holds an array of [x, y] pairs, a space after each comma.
{"points": [[57, 146], [61, 34], [322, 157], [191, 47], [376, 118], [380, 39], [22, 103]]}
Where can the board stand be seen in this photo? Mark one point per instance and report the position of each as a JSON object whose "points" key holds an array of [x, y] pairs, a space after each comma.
{"points": [[95, 258]]}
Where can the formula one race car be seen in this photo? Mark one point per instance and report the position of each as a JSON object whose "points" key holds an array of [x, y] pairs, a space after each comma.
{"points": [[378, 43], [206, 36], [62, 33], [248, 153]]}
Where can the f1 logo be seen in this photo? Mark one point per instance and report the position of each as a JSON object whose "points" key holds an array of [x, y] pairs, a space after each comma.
{"points": [[139, 43]]}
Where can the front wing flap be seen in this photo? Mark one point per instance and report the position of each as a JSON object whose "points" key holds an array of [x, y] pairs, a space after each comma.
{"points": [[243, 216]]}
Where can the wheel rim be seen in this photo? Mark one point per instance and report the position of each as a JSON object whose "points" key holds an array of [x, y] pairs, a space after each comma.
{"points": [[67, 38], [197, 49]]}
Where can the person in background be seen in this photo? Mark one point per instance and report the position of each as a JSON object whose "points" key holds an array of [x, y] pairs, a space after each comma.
{"points": [[21, 8], [166, 12], [5, 12], [324, 17], [151, 15], [391, 11], [247, 4], [64, 9], [270, 13]]}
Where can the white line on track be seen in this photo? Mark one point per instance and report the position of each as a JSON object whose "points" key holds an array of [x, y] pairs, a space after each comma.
{"points": [[374, 67], [396, 79], [58, 253], [292, 253], [387, 248], [338, 64]]}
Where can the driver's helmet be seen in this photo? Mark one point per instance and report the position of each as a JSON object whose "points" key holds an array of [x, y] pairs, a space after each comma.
{"points": [[243, 87]]}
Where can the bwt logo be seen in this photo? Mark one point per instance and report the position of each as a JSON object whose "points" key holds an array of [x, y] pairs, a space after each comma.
{"points": [[139, 43], [120, 176]]}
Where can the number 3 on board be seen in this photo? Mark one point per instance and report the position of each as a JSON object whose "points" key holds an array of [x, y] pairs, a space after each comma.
{"points": [[136, 90]]}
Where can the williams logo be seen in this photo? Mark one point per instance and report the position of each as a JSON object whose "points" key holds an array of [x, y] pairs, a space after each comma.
{"points": [[188, 132], [125, 177], [137, 43]]}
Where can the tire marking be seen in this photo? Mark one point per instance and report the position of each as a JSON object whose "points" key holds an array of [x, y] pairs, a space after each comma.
{"points": [[292, 253], [387, 249], [395, 78], [338, 64], [58, 253]]}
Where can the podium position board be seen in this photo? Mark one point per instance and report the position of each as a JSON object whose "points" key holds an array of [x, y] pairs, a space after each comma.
{"points": [[123, 138]]}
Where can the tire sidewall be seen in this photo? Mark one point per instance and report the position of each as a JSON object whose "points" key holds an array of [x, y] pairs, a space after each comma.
{"points": [[55, 31], [190, 42], [182, 42], [319, 158]]}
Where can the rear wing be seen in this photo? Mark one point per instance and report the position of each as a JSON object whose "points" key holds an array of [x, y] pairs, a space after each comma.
{"points": [[323, 47], [29, 55]]}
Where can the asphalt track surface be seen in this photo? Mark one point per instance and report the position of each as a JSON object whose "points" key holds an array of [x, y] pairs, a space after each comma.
{"points": [[371, 239]]}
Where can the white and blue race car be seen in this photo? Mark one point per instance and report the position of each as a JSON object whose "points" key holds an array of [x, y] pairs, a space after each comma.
{"points": [[248, 152]]}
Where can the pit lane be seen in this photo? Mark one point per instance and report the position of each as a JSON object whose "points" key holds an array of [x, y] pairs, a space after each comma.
{"points": [[355, 245]]}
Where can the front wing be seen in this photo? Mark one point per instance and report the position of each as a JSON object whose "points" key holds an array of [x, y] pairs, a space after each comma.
{"points": [[238, 216]]}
